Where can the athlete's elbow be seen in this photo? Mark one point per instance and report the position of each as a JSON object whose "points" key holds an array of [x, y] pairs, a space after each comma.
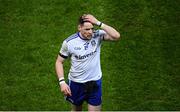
{"points": [[116, 36]]}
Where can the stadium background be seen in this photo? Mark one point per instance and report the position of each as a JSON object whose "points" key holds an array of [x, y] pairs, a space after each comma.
{"points": [[140, 72]]}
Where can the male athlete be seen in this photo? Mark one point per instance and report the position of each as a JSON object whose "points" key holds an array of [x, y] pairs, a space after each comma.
{"points": [[84, 78]]}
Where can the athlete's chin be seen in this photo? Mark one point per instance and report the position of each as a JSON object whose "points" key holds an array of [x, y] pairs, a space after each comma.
{"points": [[89, 37]]}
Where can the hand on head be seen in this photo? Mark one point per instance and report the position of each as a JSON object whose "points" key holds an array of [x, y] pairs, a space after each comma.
{"points": [[90, 18]]}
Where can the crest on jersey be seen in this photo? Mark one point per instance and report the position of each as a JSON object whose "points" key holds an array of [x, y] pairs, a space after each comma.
{"points": [[93, 43], [86, 45]]}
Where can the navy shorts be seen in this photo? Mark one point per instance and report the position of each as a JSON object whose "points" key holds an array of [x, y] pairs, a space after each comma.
{"points": [[90, 92]]}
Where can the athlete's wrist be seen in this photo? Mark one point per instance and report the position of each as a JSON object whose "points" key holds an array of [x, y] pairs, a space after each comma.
{"points": [[61, 80], [99, 23]]}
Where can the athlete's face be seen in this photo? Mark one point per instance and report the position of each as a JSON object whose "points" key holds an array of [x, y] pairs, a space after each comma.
{"points": [[86, 30]]}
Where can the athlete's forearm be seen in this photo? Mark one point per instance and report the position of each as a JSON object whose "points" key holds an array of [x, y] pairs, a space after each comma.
{"points": [[60, 71], [113, 34], [110, 31], [59, 67]]}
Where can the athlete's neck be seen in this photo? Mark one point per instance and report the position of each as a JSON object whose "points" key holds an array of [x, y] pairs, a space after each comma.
{"points": [[80, 35]]}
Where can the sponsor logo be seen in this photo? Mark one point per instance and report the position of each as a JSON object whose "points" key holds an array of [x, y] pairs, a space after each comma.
{"points": [[85, 56]]}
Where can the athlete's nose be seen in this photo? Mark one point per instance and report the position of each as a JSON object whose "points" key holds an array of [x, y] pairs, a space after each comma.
{"points": [[90, 31]]}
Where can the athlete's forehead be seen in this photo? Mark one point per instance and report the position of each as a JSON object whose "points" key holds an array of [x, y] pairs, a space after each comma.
{"points": [[87, 25]]}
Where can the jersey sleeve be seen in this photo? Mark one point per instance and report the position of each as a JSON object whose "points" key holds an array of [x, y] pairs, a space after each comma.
{"points": [[64, 50], [102, 33]]}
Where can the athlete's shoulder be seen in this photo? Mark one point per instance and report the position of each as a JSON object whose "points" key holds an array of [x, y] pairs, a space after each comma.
{"points": [[98, 33], [72, 37]]}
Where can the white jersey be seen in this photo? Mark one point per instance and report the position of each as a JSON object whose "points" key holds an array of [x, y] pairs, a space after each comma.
{"points": [[85, 56]]}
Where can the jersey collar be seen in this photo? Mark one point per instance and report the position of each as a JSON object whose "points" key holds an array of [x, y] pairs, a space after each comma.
{"points": [[81, 36]]}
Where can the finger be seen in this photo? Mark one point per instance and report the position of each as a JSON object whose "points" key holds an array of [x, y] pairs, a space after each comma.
{"points": [[69, 91], [86, 19], [66, 93]]}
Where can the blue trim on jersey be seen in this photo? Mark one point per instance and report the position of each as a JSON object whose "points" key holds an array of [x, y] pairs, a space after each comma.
{"points": [[71, 37], [81, 37]]}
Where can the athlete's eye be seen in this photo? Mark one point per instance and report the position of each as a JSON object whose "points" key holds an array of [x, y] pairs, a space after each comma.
{"points": [[89, 29]]}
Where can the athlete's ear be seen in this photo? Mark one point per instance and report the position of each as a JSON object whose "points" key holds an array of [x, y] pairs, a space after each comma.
{"points": [[79, 27]]}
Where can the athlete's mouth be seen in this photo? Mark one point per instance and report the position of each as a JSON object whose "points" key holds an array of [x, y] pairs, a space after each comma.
{"points": [[89, 36]]}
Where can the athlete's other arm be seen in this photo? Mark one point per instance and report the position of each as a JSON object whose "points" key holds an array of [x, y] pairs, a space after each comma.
{"points": [[60, 73], [112, 34]]}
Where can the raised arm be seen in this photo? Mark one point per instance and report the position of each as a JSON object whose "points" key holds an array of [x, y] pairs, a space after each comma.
{"points": [[112, 34]]}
